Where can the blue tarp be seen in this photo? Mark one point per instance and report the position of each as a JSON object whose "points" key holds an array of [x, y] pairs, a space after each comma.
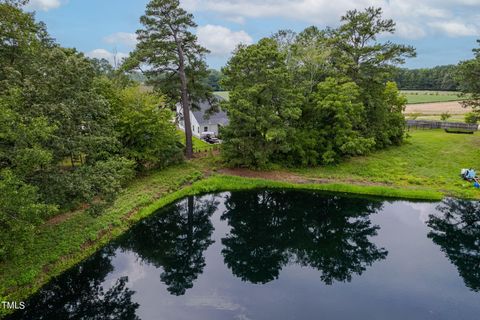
{"points": [[470, 174]]}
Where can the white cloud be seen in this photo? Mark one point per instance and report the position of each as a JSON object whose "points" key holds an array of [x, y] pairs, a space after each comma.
{"points": [[221, 41], [105, 54], [44, 5], [128, 39], [314, 11], [455, 28], [415, 19], [236, 19], [410, 31]]}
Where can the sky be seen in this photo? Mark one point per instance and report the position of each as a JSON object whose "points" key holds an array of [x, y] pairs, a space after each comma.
{"points": [[442, 31]]}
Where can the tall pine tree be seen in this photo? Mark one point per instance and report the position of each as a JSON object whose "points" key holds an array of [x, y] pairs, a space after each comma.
{"points": [[173, 58]]}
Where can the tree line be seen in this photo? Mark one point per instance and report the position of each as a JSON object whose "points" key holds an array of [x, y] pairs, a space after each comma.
{"points": [[73, 130], [439, 78]]}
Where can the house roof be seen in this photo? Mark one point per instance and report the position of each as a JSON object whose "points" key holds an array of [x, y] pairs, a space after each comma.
{"points": [[207, 118]]}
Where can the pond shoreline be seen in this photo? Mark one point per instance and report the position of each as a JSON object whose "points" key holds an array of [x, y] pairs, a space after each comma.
{"points": [[203, 185], [246, 247], [68, 240]]}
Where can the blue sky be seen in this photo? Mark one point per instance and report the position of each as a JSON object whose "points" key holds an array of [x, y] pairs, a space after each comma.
{"points": [[442, 31]]}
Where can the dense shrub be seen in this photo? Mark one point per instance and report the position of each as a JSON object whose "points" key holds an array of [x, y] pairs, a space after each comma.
{"points": [[20, 211], [314, 97]]}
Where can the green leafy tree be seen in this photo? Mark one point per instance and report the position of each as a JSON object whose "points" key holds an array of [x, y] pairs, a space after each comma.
{"points": [[358, 54], [20, 211], [174, 58], [441, 78], [333, 122], [469, 78], [471, 117], [307, 56], [262, 107], [214, 78], [369, 63], [52, 111], [146, 131], [445, 116]]}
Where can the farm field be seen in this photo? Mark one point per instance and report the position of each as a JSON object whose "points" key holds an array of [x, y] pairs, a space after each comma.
{"points": [[415, 97], [437, 108]]}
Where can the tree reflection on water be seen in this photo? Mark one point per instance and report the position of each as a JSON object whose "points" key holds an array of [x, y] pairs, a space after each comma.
{"points": [[272, 228], [457, 232], [175, 240], [268, 229], [80, 294]]}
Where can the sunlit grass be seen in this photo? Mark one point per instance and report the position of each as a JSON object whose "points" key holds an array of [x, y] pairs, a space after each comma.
{"points": [[429, 159], [415, 97]]}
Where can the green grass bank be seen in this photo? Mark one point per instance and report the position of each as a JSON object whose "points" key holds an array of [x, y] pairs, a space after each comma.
{"points": [[426, 167], [415, 97]]}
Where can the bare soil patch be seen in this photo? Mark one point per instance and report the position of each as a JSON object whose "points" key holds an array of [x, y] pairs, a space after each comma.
{"points": [[292, 177], [267, 175], [452, 107]]}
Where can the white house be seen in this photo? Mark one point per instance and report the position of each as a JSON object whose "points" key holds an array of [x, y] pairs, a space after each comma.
{"points": [[203, 121]]}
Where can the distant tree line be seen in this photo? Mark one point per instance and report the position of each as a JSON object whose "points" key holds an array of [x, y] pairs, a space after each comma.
{"points": [[315, 97], [212, 80], [440, 78]]}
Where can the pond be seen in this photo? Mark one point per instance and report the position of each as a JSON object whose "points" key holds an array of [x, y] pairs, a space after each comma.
{"points": [[277, 254]]}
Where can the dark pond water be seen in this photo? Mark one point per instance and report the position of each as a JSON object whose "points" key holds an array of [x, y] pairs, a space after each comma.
{"points": [[280, 255]]}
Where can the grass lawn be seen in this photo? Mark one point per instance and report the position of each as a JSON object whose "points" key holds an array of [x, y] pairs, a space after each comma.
{"points": [[223, 94], [427, 166], [415, 97], [437, 117], [429, 160], [198, 144]]}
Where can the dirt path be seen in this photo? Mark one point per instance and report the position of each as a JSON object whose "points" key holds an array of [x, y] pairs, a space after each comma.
{"points": [[292, 177], [452, 107]]}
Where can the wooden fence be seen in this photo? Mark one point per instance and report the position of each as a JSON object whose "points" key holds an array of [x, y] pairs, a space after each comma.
{"points": [[425, 124]]}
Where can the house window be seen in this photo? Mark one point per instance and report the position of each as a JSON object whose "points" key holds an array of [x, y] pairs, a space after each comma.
{"points": [[198, 129], [205, 129]]}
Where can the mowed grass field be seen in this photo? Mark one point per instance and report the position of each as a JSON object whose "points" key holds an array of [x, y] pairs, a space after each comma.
{"points": [[415, 97], [429, 160]]}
